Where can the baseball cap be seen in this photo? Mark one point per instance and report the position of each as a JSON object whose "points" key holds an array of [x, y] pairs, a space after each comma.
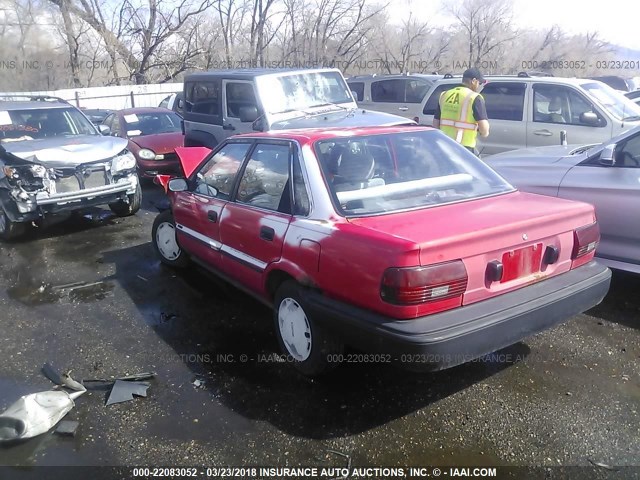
{"points": [[472, 73]]}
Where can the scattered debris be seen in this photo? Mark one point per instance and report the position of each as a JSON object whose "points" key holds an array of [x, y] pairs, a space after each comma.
{"points": [[198, 383], [603, 465], [348, 457], [35, 414], [67, 427], [123, 391], [135, 377], [52, 374]]}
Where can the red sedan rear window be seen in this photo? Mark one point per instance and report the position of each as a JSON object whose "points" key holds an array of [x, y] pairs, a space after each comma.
{"points": [[389, 172]]}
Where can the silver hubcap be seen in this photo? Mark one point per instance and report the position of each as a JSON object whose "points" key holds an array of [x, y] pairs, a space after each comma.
{"points": [[166, 241], [294, 329]]}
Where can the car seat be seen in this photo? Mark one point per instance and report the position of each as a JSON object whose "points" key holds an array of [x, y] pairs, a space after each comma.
{"points": [[555, 109], [354, 170]]}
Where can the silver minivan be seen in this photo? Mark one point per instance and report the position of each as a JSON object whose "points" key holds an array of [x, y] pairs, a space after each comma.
{"points": [[528, 111], [221, 103]]}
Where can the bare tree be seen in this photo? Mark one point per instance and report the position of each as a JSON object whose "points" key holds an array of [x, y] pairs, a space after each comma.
{"points": [[139, 30], [486, 24]]}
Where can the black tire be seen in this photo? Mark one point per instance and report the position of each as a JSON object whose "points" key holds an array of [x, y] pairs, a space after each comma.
{"points": [[321, 351], [126, 209], [165, 221], [10, 230]]}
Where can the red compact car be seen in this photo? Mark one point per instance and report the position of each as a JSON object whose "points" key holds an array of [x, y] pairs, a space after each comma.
{"points": [[393, 240], [153, 134]]}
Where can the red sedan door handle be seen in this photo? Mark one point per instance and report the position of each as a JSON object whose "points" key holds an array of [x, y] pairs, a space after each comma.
{"points": [[212, 215], [267, 233]]}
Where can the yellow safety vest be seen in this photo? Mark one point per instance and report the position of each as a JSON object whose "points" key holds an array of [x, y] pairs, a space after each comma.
{"points": [[456, 115]]}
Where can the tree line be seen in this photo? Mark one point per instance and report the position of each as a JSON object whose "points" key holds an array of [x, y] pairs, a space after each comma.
{"points": [[53, 44]]}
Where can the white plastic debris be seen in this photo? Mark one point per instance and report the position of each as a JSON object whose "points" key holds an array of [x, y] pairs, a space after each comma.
{"points": [[37, 413]]}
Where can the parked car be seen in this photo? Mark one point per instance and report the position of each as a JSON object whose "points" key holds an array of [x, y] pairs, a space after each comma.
{"points": [[395, 240], [400, 94], [53, 159], [174, 102], [532, 111], [220, 103], [606, 175], [153, 134], [616, 82], [96, 115], [633, 96]]}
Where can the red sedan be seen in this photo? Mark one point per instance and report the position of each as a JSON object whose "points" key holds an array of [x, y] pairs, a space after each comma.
{"points": [[153, 134], [394, 240]]}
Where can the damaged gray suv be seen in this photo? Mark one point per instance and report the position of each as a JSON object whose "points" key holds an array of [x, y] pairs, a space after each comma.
{"points": [[53, 160]]}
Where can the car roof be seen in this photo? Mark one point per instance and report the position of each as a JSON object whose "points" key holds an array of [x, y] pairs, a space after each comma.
{"points": [[307, 135], [428, 76], [129, 111], [251, 73], [527, 79], [31, 105]]}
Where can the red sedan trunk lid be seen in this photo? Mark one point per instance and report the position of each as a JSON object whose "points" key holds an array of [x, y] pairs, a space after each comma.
{"points": [[510, 228]]}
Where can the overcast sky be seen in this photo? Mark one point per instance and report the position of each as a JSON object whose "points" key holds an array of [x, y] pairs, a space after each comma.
{"points": [[616, 20]]}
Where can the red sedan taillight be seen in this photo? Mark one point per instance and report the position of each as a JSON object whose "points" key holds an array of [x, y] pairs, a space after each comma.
{"points": [[585, 241], [418, 285]]}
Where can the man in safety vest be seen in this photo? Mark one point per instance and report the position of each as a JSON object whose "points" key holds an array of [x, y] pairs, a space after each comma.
{"points": [[461, 112]]}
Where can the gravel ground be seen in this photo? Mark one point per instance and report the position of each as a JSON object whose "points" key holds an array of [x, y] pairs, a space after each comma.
{"points": [[89, 295]]}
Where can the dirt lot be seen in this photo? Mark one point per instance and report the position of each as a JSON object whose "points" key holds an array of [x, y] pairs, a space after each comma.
{"points": [[89, 295]]}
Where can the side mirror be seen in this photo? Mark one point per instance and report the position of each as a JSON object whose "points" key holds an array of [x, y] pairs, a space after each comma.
{"points": [[607, 156], [589, 118], [104, 130], [178, 185], [248, 114]]}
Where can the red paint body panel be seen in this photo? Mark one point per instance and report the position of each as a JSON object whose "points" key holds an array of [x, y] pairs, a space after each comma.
{"points": [[191, 157]]}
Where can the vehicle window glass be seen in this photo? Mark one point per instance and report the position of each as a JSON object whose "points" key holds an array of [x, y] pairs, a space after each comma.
{"points": [[416, 90], [265, 181], [33, 124], [239, 94], [391, 91], [504, 101], [151, 123], [559, 104], [358, 89], [432, 103], [301, 204], [389, 172], [109, 121], [164, 103], [203, 98], [115, 125], [628, 155], [295, 91], [216, 177], [615, 102]]}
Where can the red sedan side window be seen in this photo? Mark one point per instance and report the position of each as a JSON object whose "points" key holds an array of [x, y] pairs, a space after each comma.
{"points": [[217, 176], [266, 178]]}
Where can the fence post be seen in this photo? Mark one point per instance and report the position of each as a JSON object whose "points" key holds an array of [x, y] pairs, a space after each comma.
{"points": [[133, 102], [77, 99]]}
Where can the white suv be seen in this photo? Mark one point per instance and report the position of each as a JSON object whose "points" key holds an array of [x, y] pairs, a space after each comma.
{"points": [[529, 111]]}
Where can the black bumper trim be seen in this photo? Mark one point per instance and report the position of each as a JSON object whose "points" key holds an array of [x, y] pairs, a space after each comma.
{"points": [[446, 339]]}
